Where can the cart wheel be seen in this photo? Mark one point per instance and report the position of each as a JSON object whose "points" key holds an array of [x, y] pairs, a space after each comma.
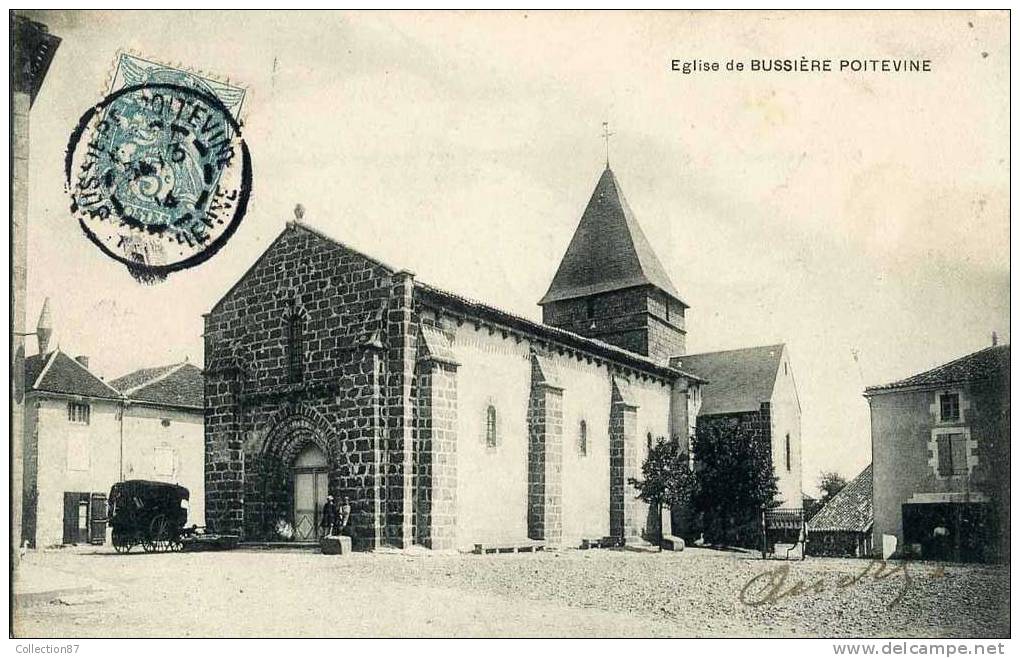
{"points": [[121, 548], [176, 545], [159, 534]]}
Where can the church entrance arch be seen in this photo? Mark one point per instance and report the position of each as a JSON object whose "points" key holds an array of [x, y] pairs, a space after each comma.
{"points": [[298, 457], [310, 483]]}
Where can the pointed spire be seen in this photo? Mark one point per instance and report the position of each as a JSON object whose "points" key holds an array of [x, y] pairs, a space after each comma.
{"points": [[609, 251], [44, 329]]}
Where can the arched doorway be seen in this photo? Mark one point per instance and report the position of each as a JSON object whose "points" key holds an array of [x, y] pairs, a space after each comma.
{"points": [[310, 481]]}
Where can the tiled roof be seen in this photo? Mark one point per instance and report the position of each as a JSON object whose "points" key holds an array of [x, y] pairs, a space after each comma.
{"points": [[609, 251], [983, 364], [138, 377], [738, 380], [176, 385], [850, 510], [62, 374], [562, 336]]}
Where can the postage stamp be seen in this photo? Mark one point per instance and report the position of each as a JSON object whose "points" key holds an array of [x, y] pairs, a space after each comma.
{"points": [[158, 172]]}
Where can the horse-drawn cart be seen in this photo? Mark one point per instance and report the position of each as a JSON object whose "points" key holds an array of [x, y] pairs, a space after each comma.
{"points": [[150, 514]]}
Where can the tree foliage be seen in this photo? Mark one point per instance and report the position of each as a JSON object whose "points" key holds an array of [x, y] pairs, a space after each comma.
{"points": [[830, 483], [667, 478], [736, 480]]}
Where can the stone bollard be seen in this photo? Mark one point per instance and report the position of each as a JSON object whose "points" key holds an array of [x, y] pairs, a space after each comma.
{"points": [[335, 545], [671, 543]]}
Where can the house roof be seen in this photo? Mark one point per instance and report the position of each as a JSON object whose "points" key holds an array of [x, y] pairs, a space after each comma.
{"points": [[850, 510], [139, 377], [988, 363], [56, 372], [175, 385], [738, 380], [609, 251]]}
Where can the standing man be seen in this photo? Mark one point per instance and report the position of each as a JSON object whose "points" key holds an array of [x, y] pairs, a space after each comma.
{"points": [[343, 517], [328, 521]]}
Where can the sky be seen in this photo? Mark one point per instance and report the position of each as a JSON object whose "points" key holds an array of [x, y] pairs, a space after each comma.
{"points": [[840, 213]]}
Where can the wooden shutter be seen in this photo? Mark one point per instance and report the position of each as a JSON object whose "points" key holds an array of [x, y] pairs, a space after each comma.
{"points": [[945, 455], [70, 517], [97, 519]]}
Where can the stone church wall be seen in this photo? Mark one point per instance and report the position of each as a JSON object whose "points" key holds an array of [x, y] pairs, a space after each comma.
{"points": [[586, 396], [492, 482], [257, 419]]}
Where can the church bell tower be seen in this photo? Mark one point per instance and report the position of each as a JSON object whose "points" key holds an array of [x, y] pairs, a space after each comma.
{"points": [[611, 286]]}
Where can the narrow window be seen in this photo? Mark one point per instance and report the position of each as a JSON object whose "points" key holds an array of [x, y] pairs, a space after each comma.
{"points": [[295, 348], [590, 308], [582, 439], [79, 413], [950, 406], [787, 452], [490, 427]]}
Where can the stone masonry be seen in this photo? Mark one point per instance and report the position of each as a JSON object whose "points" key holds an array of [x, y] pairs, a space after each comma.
{"points": [[545, 455]]}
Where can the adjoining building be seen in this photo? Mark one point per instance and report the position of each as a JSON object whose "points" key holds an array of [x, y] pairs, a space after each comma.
{"points": [[754, 387], [447, 422], [83, 434], [940, 451], [843, 527]]}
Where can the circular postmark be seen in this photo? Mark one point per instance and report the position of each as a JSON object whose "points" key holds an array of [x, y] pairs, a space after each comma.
{"points": [[159, 176]]}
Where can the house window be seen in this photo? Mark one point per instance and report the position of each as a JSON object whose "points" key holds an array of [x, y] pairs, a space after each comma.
{"points": [[79, 413], [952, 454], [787, 452], [163, 460], [949, 404], [77, 453], [490, 427], [295, 348], [582, 439]]}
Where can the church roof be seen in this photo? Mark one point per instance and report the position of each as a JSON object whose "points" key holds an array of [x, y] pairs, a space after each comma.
{"points": [[609, 251], [988, 363], [56, 372], [738, 380], [850, 510]]}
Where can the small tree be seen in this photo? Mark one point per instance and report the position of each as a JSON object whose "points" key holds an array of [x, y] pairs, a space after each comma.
{"points": [[667, 476], [736, 480], [830, 483]]}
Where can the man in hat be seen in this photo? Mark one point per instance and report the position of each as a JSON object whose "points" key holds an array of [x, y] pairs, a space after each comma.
{"points": [[343, 516], [328, 521]]}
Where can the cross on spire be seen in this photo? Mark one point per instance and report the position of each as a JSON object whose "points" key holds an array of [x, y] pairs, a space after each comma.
{"points": [[606, 135]]}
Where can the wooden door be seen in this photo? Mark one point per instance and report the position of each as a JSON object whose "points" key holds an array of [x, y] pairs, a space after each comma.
{"points": [[310, 488], [76, 517]]}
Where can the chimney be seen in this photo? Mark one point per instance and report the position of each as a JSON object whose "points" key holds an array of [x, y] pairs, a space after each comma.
{"points": [[44, 329], [83, 360]]}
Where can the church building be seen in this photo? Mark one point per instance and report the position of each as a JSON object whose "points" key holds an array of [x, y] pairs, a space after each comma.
{"points": [[447, 422]]}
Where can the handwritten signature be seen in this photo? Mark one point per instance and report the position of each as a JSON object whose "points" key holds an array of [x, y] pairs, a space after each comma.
{"points": [[777, 584]]}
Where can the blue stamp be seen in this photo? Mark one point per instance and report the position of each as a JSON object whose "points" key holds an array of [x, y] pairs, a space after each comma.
{"points": [[158, 172]]}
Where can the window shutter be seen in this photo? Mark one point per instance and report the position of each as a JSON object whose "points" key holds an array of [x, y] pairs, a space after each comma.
{"points": [[945, 455], [959, 447]]}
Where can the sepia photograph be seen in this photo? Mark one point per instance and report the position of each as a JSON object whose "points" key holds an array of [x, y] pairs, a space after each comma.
{"points": [[510, 324]]}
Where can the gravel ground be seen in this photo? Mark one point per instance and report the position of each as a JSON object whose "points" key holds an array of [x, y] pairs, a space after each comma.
{"points": [[696, 593]]}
